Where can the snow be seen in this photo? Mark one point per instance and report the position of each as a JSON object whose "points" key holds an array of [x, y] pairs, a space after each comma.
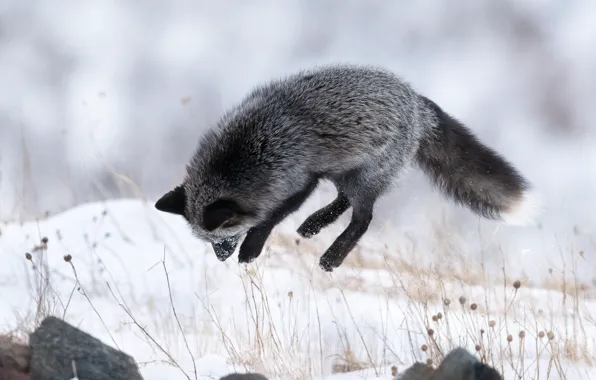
{"points": [[130, 267]]}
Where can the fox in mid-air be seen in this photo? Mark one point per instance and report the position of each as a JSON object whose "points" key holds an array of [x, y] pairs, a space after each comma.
{"points": [[360, 127]]}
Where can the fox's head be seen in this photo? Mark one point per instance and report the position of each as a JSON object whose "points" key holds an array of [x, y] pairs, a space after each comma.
{"points": [[221, 221], [234, 180]]}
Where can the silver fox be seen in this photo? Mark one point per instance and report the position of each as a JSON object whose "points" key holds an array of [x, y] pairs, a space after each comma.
{"points": [[360, 127]]}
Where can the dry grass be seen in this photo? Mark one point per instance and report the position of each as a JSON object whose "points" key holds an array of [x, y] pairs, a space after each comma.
{"points": [[443, 308]]}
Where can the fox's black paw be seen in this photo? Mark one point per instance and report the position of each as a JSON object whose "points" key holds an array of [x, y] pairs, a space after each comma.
{"points": [[246, 259], [249, 252], [308, 229], [325, 266], [251, 248], [328, 263]]}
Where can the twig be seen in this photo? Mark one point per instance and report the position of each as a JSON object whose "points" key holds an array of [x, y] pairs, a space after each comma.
{"points": [[82, 291], [165, 269], [359, 333], [172, 360]]}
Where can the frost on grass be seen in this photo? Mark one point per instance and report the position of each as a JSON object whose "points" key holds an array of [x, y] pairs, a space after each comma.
{"points": [[138, 281]]}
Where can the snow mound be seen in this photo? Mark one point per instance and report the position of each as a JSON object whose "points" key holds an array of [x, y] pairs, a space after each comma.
{"points": [[137, 279]]}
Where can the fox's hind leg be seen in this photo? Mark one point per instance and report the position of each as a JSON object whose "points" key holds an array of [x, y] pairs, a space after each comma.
{"points": [[362, 214], [255, 239], [362, 187], [324, 217]]}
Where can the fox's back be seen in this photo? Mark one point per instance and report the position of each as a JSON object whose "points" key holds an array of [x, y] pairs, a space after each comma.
{"points": [[347, 114], [346, 102]]}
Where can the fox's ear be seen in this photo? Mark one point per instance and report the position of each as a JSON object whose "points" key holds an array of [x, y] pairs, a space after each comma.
{"points": [[173, 201], [222, 212]]}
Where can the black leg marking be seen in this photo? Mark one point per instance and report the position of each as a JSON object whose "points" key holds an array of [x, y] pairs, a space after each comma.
{"points": [[255, 239], [341, 247], [253, 243], [324, 217]]}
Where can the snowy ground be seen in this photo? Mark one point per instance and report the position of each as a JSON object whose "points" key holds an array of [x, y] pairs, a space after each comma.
{"points": [[139, 281]]}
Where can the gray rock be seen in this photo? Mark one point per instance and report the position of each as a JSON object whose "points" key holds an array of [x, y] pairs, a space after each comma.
{"points": [[459, 364], [418, 371], [244, 376], [55, 344]]}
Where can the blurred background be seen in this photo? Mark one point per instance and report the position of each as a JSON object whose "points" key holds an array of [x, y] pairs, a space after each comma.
{"points": [[106, 99]]}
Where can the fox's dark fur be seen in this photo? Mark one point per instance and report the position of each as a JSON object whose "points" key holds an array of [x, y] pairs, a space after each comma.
{"points": [[359, 127]]}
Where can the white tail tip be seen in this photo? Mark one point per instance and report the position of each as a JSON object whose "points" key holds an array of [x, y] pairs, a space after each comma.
{"points": [[526, 211]]}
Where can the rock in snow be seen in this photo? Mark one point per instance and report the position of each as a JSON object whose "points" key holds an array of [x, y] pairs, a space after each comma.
{"points": [[459, 364], [244, 376], [55, 345]]}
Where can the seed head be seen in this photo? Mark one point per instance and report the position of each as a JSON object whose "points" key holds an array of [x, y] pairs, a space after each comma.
{"points": [[473, 306], [446, 301], [478, 348], [492, 323], [44, 240], [394, 371], [522, 334], [429, 362], [440, 315], [550, 335], [435, 318], [516, 284], [462, 300], [424, 348], [509, 338], [430, 332], [541, 334], [67, 258], [28, 256]]}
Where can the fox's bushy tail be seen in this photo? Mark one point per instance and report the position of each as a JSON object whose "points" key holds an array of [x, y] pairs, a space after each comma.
{"points": [[475, 175]]}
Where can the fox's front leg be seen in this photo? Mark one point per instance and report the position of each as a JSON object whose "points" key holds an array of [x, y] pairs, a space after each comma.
{"points": [[255, 239], [343, 245], [253, 243], [324, 217]]}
